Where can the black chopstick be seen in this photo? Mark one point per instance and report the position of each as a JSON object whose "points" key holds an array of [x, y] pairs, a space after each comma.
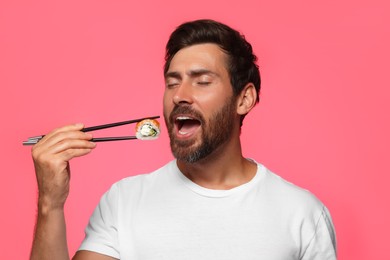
{"points": [[99, 127], [35, 139], [117, 138]]}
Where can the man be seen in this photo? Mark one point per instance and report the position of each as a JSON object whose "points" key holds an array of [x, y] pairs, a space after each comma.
{"points": [[209, 203]]}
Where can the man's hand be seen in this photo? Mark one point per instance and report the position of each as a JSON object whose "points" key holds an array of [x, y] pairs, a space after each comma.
{"points": [[51, 157]]}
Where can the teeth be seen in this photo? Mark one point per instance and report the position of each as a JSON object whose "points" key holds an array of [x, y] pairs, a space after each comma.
{"points": [[183, 118]]}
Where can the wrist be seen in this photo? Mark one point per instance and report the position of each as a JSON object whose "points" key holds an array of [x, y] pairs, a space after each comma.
{"points": [[47, 206]]}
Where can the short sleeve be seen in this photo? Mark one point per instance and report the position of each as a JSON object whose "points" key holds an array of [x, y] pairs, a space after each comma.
{"points": [[101, 234], [323, 244]]}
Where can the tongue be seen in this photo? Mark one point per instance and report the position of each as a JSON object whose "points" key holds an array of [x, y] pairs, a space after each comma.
{"points": [[189, 126]]}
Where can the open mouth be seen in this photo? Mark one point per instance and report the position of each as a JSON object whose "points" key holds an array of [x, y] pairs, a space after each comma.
{"points": [[186, 125]]}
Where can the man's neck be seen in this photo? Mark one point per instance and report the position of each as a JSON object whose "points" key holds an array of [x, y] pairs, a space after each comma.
{"points": [[224, 169]]}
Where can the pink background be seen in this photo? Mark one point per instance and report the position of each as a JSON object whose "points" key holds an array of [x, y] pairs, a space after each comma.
{"points": [[322, 123]]}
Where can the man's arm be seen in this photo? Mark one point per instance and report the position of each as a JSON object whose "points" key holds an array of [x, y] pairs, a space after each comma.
{"points": [[51, 157]]}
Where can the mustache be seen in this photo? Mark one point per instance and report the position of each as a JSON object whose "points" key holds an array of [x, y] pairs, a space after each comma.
{"points": [[187, 110]]}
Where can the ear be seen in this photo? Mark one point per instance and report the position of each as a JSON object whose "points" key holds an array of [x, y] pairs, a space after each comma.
{"points": [[247, 99]]}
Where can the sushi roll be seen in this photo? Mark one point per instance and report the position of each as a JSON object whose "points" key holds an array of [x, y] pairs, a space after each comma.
{"points": [[147, 129]]}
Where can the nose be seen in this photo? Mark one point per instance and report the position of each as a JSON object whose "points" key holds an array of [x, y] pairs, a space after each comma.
{"points": [[183, 94]]}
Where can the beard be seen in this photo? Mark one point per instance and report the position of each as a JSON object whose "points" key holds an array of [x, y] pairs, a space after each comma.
{"points": [[214, 132]]}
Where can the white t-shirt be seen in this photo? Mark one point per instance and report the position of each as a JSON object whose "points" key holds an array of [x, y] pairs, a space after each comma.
{"points": [[163, 215]]}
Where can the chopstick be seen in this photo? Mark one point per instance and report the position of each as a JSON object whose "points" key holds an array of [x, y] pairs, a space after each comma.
{"points": [[99, 139], [99, 127], [35, 139], [117, 138]]}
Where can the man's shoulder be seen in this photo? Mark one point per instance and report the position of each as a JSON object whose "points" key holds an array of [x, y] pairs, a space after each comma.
{"points": [[288, 193]]}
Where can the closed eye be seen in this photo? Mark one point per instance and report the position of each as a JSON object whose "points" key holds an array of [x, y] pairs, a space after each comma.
{"points": [[171, 82], [172, 79], [204, 83], [171, 85]]}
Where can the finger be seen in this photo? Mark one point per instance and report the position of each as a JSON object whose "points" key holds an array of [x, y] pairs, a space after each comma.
{"points": [[69, 154], [59, 155], [67, 128], [61, 136], [71, 127], [47, 151], [71, 144]]}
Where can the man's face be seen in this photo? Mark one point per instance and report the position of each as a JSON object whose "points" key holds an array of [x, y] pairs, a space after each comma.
{"points": [[199, 108]]}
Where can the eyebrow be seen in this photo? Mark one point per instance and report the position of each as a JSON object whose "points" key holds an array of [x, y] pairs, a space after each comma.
{"points": [[192, 73]]}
